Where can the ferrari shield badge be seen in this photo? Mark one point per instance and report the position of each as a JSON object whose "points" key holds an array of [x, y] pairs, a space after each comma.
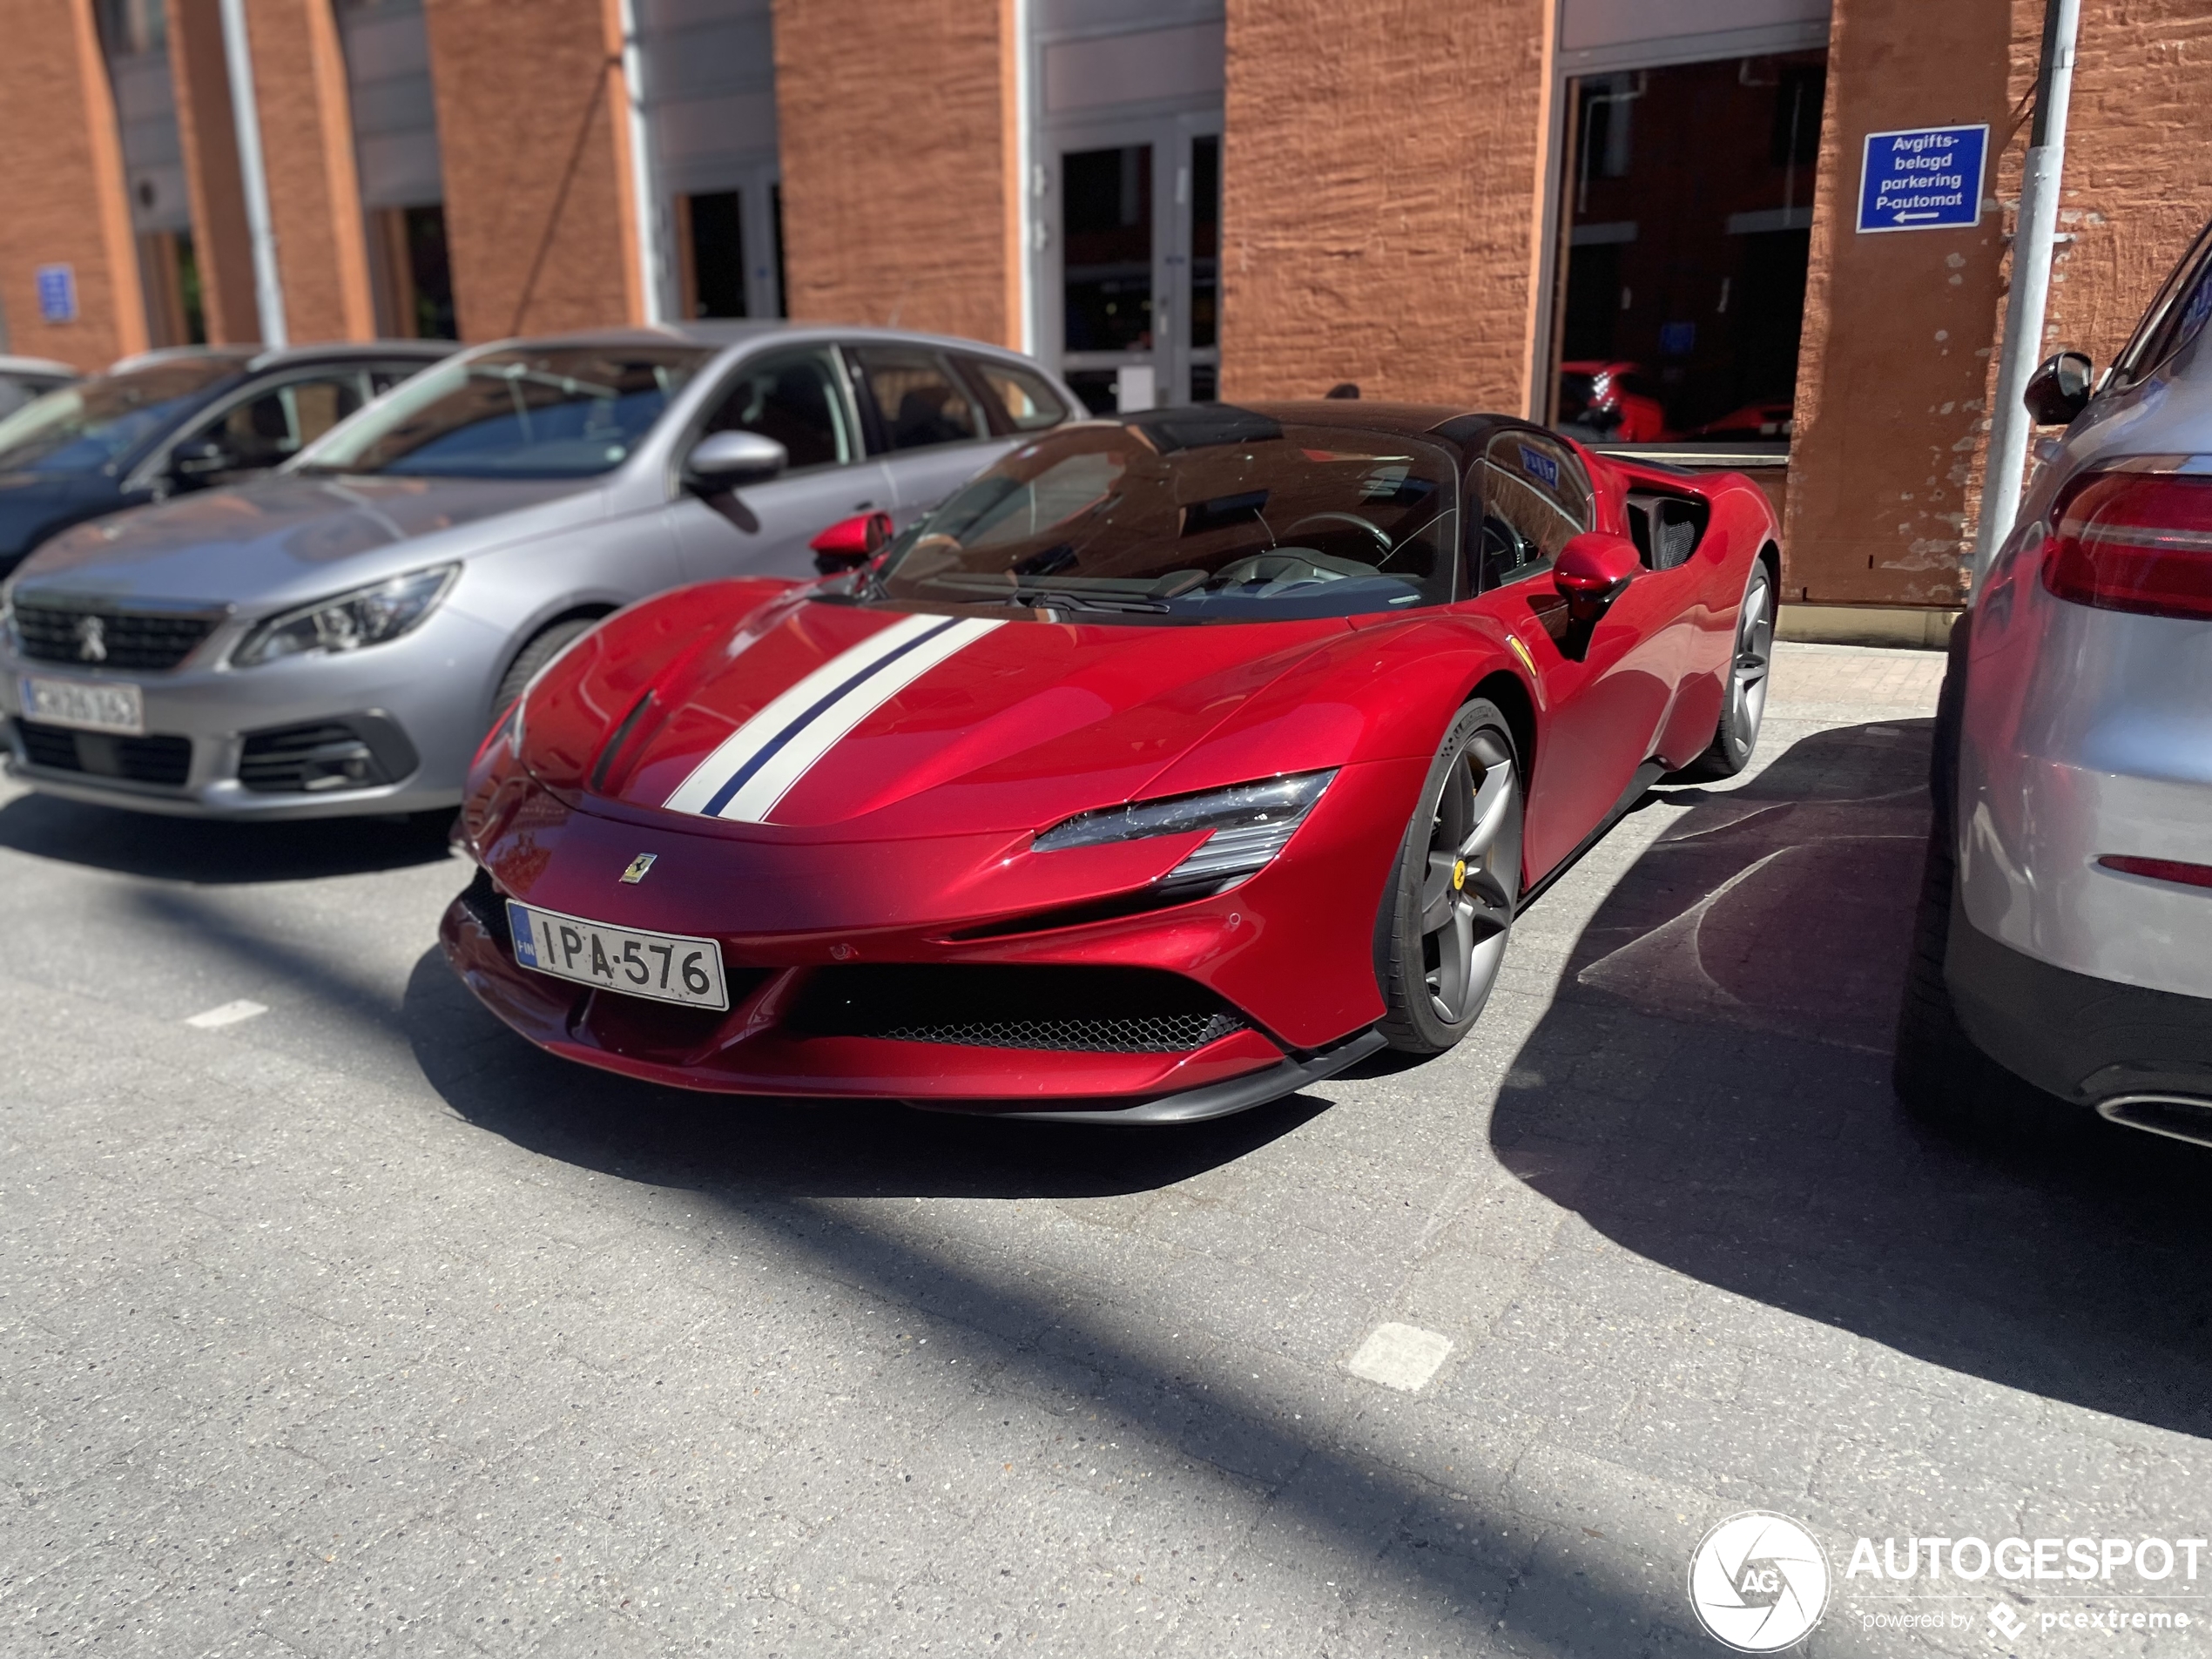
{"points": [[638, 865]]}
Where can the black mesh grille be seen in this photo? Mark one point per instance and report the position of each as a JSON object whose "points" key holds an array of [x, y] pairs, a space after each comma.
{"points": [[1160, 1034], [126, 639], [303, 759], [485, 902], [1095, 1010], [164, 760]]}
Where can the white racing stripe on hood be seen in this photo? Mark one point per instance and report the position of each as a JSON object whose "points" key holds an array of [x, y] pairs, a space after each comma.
{"points": [[756, 765]]}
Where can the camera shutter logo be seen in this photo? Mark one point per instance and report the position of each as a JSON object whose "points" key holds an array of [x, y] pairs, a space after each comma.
{"points": [[1758, 1583]]}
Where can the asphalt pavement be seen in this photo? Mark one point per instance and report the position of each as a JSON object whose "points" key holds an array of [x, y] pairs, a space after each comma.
{"points": [[335, 1319]]}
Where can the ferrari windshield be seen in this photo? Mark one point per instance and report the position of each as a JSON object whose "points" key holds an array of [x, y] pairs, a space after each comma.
{"points": [[95, 422], [1214, 515], [523, 412]]}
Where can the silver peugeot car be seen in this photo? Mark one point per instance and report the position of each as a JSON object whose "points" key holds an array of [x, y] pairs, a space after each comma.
{"points": [[337, 637], [2064, 932]]}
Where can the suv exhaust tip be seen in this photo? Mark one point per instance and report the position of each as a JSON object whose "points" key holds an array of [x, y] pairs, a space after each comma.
{"points": [[2178, 1117]]}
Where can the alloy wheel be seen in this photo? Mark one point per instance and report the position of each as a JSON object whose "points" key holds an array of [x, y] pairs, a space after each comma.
{"points": [[1473, 876], [1753, 655]]}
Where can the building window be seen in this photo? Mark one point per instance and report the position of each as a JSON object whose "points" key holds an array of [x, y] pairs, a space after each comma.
{"points": [[168, 268], [709, 235], [1688, 214], [416, 271]]}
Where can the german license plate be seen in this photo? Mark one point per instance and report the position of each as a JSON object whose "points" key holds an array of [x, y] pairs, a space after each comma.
{"points": [[668, 967], [90, 706]]}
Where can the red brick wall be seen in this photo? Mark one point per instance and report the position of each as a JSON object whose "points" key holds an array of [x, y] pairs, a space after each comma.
{"points": [[1381, 197], [1898, 334], [2138, 180], [897, 136], [62, 159], [308, 147], [1892, 423], [536, 203]]}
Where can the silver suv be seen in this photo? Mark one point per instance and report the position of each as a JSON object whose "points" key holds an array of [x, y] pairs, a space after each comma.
{"points": [[337, 638], [2064, 931]]}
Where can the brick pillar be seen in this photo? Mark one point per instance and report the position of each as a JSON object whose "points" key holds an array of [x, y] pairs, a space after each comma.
{"points": [[208, 133], [538, 217], [63, 159], [1382, 198], [1899, 328], [307, 148], [897, 123]]}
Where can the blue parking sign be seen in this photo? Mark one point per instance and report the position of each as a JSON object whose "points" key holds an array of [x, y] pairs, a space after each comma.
{"points": [[57, 293], [1926, 179]]}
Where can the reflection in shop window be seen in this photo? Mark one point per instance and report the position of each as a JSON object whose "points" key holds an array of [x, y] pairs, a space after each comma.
{"points": [[1688, 209]]}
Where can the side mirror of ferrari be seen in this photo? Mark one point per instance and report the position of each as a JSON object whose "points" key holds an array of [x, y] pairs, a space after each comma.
{"points": [[723, 460], [851, 542], [2059, 390], [1592, 570]]}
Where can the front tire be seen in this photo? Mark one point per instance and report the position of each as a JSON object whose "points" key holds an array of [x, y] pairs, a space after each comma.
{"points": [[544, 645], [1449, 909], [1738, 733]]}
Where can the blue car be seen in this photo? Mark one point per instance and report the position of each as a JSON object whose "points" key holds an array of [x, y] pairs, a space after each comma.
{"points": [[157, 426]]}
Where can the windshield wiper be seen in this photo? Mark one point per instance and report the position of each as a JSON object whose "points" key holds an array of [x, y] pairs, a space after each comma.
{"points": [[1061, 599]]}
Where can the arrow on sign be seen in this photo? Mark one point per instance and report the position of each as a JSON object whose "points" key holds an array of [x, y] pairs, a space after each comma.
{"points": [[1907, 219]]}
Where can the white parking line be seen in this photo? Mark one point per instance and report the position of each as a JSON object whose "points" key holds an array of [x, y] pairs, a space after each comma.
{"points": [[229, 1014], [1403, 1357]]}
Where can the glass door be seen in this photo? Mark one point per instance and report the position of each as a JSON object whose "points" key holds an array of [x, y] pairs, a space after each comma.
{"points": [[1138, 274], [1196, 264], [1108, 276]]}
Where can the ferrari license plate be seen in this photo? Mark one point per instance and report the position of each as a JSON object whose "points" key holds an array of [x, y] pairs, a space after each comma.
{"points": [[668, 967], [90, 706]]}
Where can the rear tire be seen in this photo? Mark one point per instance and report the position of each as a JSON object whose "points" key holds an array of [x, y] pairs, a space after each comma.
{"points": [[544, 645], [1939, 1074], [1743, 709], [1448, 911]]}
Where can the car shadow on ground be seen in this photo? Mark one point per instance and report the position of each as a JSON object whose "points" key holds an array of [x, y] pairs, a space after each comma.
{"points": [[1709, 1090], [209, 853], [675, 1137]]}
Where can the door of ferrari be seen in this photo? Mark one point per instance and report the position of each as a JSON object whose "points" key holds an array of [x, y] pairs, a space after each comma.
{"points": [[1606, 685], [796, 398]]}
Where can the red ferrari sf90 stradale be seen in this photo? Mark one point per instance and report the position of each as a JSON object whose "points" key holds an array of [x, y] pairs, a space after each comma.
{"points": [[1174, 762]]}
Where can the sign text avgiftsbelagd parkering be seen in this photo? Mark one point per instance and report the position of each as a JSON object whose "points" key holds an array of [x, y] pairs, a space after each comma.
{"points": [[1928, 178]]}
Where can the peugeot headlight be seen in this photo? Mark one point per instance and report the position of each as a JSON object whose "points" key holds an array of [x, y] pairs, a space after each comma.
{"points": [[364, 616], [1250, 823]]}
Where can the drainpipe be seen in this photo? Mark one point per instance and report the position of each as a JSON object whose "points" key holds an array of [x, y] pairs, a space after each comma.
{"points": [[642, 184], [268, 289], [1029, 188], [2033, 238]]}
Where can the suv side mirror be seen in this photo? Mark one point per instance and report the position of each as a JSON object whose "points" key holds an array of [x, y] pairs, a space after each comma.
{"points": [[198, 459], [723, 460], [851, 542], [2059, 390], [1592, 571]]}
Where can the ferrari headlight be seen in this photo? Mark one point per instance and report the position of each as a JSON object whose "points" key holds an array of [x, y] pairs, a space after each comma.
{"points": [[1250, 823], [364, 616]]}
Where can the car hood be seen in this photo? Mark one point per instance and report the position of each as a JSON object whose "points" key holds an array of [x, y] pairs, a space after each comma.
{"points": [[814, 720], [294, 538], [32, 503]]}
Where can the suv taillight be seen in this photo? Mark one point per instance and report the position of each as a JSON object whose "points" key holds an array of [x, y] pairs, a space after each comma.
{"points": [[2134, 541]]}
